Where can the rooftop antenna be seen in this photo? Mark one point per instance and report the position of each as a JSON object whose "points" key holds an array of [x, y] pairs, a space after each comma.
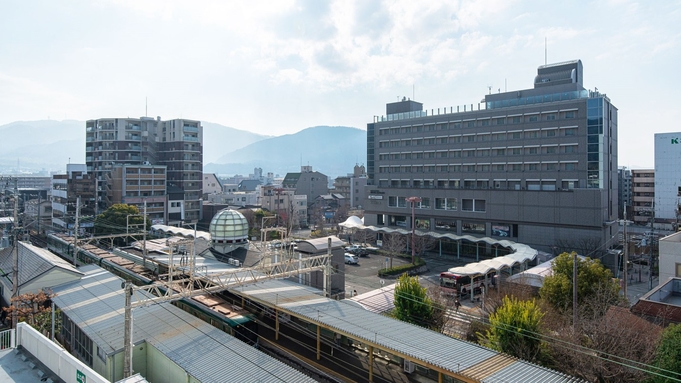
{"points": [[545, 51], [489, 88]]}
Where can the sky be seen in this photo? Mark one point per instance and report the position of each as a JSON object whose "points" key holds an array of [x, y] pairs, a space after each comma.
{"points": [[278, 67]]}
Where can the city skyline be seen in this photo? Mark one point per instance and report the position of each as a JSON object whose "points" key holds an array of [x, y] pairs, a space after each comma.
{"points": [[278, 68]]}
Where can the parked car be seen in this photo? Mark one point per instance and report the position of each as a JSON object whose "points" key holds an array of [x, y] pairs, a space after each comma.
{"points": [[356, 250], [351, 259]]}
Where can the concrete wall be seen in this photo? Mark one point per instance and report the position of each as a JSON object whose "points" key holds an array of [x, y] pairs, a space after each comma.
{"points": [[53, 356], [670, 256]]}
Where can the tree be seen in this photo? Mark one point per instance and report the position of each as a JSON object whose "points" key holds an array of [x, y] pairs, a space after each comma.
{"points": [[412, 304], [515, 328], [423, 243], [668, 355], [394, 244], [364, 236], [120, 218], [601, 348], [33, 308], [593, 281]]}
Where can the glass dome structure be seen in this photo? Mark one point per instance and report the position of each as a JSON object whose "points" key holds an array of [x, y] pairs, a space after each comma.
{"points": [[228, 226]]}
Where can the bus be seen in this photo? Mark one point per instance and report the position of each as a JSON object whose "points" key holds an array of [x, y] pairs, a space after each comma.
{"points": [[460, 285]]}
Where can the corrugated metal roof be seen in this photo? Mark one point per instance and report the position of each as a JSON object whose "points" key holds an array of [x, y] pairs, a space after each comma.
{"points": [[33, 262], [423, 346], [96, 305], [378, 301]]}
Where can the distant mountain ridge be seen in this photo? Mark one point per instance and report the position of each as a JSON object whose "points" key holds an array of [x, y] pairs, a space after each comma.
{"points": [[332, 150]]}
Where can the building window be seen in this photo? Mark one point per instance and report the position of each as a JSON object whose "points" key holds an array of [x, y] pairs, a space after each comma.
{"points": [[533, 118], [532, 167], [500, 152], [550, 149], [532, 150], [678, 270], [551, 133], [440, 203], [501, 167], [570, 114], [550, 117], [485, 122], [392, 201], [501, 121], [516, 135]]}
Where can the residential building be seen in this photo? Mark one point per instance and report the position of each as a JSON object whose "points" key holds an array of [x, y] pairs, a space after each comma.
{"points": [[307, 182], [137, 184], [176, 144], [66, 189], [31, 182], [286, 203], [211, 184], [38, 211], [241, 199], [667, 179], [624, 192], [536, 165], [352, 186], [642, 195]]}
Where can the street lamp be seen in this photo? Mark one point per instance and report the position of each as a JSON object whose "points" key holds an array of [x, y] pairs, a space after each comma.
{"points": [[413, 201]]}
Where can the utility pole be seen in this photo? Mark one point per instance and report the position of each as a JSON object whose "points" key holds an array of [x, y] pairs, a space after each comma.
{"points": [[144, 237], [127, 335], [626, 254], [650, 246], [75, 234], [15, 268], [574, 292]]}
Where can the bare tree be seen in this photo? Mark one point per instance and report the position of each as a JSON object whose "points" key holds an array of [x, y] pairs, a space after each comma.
{"points": [[585, 246], [364, 236], [317, 217], [612, 348], [394, 244], [423, 243]]}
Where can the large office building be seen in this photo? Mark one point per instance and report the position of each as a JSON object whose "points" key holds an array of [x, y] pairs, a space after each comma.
{"points": [[667, 178], [538, 165], [176, 144]]}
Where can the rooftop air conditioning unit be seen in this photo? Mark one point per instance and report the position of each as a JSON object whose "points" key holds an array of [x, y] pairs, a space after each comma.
{"points": [[408, 366]]}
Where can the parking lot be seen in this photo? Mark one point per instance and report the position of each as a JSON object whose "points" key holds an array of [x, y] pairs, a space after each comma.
{"points": [[363, 276]]}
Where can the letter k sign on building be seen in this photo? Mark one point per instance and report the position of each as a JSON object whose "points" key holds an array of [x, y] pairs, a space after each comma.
{"points": [[675, 141]]}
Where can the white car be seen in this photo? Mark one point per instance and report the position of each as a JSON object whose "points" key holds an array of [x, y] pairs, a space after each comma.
{"points": [[351, 259]]}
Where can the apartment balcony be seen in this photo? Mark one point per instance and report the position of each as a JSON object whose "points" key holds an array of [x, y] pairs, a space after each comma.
{"points": [[190, 138], [193, 129], [88, 148]]}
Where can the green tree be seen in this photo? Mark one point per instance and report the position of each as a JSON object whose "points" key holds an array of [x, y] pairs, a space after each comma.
{"points": [[114, 220], [668, 355], [412, 304], [515, 327], [594, 284]]}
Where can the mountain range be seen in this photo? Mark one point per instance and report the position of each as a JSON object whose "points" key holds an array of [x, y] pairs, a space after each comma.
{"points": [[49, 145]]}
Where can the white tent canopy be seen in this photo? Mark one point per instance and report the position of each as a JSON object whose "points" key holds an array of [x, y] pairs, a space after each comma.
{"points": [[353, 222]]}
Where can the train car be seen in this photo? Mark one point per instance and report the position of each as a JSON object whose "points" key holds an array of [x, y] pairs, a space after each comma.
{"points": [[211, 308]]}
